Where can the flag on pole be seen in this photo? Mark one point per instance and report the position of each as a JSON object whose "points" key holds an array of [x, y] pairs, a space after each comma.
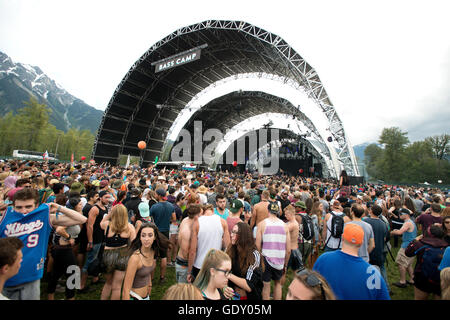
{"points": [[128, 162], [156, 160], [45, 155]]}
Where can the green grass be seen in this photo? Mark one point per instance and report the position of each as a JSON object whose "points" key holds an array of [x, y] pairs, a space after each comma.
{"points": [[159, 290]]}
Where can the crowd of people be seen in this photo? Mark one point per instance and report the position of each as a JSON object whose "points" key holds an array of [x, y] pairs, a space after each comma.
{"points": [[229, 235]]}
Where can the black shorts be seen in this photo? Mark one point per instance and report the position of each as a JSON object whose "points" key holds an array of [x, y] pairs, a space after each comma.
{"points": [[166, 233], [271, 273], [162, 254], [295, 260]]}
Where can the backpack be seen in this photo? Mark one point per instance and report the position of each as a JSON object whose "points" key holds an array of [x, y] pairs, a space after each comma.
{"points": [[430, 261], [307, 227], [337, 225], [44, 194]]}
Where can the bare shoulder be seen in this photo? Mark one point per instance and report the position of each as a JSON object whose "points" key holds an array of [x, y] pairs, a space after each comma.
{"points": [[135, 258]]}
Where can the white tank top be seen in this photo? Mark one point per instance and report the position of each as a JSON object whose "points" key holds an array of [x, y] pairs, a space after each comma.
{"points": [[210, 236]]}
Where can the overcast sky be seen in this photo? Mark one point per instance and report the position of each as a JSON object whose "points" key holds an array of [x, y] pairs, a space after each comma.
{"points": [[383, 63]]}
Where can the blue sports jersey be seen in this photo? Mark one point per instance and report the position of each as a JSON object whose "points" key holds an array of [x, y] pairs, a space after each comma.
{"points": [[34, 231]]}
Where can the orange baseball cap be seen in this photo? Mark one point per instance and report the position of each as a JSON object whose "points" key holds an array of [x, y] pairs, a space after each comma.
{"points": [[353, 233]]}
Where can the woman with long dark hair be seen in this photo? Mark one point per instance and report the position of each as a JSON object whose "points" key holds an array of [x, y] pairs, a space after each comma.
{"points": [[138, 281], [246, 275], [344, 184], [446, 228], [396, 222]]}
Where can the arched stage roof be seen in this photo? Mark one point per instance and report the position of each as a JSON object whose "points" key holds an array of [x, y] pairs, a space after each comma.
{"points": [[146, 104]]}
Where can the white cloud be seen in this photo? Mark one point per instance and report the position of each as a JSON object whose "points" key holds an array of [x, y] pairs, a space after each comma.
{"points": [[380, 62]]}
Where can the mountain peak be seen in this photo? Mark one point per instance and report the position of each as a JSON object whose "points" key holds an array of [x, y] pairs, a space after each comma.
{"points": [[20, 81]]}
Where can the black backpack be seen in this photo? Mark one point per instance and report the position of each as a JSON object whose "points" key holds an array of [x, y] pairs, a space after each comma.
{"points": [[308, 227], [337, 227]]}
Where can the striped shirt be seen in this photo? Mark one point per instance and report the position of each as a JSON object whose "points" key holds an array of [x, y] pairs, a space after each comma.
{"points": [[274, 243]]}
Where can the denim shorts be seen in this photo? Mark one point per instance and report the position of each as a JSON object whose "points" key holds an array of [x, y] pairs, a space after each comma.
{"points": [[91, 255], [181, 270], [26, 291]]}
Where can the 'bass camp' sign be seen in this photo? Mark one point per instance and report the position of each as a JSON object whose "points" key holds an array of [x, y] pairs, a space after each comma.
{"points": [[178, 59]]}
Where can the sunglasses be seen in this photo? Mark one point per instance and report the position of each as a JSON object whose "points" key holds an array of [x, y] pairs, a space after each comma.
{"points": [[311, 280], [225, 272]]}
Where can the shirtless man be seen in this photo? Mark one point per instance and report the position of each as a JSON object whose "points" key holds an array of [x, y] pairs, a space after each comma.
{"points": [[295, 259], [184, 239], [260, 212]]}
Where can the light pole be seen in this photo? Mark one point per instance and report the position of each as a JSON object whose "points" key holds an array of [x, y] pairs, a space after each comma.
{"points": [[56, 149]]}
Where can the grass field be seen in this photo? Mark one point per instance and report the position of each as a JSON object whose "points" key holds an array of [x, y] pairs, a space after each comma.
{"points": [[159, 290]]}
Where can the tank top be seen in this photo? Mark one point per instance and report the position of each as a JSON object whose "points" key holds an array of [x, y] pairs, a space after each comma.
{"points": [[142, 276], [409, 236], [115, 241], [210, 236], [33, 229], [225, 214], [231, 222], [73, 231], [274, 243], [98, 233]]}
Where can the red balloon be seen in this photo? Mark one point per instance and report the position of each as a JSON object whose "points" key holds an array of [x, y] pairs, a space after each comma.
{"points": [[83, 158], [301, 170], [142, 145], [234, 163]]}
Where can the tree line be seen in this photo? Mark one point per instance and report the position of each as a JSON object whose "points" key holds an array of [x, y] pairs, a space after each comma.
{"points": [[399, 161], [30, 130]]}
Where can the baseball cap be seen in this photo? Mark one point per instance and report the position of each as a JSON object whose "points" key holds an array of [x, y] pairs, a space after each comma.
{"points": [[53, 181], [76, 186], [300, 204], [103, 193], [161, 192], [335, 203], [144, 209], [26, 174], [353, 233], [135, 192], [273, 208], [96, 183], [403, 211], [12, 192], [117, 184], [236, 205]]}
